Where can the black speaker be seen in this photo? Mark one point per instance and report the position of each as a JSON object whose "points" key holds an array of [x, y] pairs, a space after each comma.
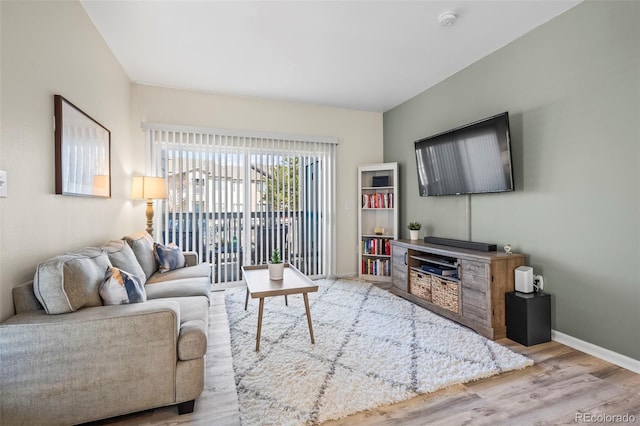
{"points": [[471, 245], [528, 317]]}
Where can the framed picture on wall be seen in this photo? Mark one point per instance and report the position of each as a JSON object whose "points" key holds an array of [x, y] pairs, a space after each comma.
{"points": [[82, 151]]}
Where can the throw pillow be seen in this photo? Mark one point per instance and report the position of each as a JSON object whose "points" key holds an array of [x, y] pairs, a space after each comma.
{"points": [[71, 281], [169, 257], [121, 288], [142, 245], [122, 257]]}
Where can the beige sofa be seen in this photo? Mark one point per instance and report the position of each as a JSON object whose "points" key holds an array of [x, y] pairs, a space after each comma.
{"points": [[67, 359]]}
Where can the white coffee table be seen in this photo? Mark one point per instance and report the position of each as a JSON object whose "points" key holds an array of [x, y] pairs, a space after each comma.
{"points": [[260, 286]]}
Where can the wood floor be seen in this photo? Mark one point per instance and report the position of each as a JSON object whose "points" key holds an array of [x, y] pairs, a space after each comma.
{"points": [[562, 383]]}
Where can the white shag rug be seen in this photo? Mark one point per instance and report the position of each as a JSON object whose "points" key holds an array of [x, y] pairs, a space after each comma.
{"points": [[372, 349]]}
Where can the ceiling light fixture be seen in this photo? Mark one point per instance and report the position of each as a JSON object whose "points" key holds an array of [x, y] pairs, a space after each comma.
{"points": [[447, 19]]}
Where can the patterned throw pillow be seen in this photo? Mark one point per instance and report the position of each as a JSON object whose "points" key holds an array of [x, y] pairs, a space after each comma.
{"points": [[120, 288], [169, 257]]}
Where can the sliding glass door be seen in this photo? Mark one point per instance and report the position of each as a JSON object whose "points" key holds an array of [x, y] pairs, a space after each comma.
{"points": [[234, 199]]}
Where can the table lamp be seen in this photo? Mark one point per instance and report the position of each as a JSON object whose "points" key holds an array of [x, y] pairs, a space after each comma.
{"points": [[149, 188]]}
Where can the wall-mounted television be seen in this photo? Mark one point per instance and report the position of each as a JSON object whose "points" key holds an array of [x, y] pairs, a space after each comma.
{"points": [[472, 159]]}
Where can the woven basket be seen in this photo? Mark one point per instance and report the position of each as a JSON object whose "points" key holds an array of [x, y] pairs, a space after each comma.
{"points": [[420, 285], [445, 293]]}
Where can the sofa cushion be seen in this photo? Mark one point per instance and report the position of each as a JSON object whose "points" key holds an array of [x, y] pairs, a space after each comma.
{"points": [[168, 257], [121, 288], [142, 245], [202, 270], [178, 288], [70, 281], [122, 257]]}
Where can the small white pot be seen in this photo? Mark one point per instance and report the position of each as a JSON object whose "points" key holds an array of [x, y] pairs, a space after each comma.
{"points": [[414, 233], [276, 271]]}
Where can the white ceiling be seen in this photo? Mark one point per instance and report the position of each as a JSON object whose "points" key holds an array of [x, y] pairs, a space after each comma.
{"points": [[366, 55]]}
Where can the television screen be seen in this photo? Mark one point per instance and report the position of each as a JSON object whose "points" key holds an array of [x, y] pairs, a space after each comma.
{"points": [[471, 159]]}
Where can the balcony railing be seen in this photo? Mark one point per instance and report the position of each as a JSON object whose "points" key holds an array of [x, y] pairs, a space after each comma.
{"points": [[219, 238]]}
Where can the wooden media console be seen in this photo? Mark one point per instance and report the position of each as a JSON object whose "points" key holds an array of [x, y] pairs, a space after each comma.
{"points": [[466, 286]]}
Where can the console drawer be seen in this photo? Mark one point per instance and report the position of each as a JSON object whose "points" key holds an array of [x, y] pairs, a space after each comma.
{"points": [[475, 275], [475, 268], [399, 278]]}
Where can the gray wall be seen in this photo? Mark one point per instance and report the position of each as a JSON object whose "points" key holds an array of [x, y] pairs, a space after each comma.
{"points": [[572, 89]]}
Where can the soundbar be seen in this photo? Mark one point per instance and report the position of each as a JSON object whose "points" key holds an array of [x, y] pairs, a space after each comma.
{"points": [[471, 245]]}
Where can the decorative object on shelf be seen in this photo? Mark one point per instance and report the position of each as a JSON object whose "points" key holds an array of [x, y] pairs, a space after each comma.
{"points": [[414, 230], [507, 249], [149, 188], [378, 231], [276, 267], [378, 181], [82, 152]]}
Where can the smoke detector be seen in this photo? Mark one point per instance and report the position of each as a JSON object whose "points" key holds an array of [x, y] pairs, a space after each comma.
{"points": [[447, 19]]}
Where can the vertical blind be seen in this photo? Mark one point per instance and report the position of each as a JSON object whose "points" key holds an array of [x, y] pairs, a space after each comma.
{"points": [[236, 196]]}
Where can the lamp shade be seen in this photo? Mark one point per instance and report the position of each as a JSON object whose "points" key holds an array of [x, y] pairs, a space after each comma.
{"points": [[148, 187]]}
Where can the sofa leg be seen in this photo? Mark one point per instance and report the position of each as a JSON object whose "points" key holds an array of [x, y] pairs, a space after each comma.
{"points": [[186, 407]]}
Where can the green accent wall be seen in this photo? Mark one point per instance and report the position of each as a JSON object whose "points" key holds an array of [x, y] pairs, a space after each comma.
{"points": [[572, 90]]}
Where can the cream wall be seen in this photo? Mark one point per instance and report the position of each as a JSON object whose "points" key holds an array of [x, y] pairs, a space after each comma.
{"points": [[359, 134], [52, 48]]}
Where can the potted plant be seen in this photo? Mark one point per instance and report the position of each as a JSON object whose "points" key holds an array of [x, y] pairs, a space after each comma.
{"points": [[414, 229], [275, 265]]}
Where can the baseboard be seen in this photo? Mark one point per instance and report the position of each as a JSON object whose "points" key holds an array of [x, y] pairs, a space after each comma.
{"points": [[597, 351]]}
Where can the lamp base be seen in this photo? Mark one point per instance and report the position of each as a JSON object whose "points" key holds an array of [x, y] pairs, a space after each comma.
{"points": [[149, 216]]}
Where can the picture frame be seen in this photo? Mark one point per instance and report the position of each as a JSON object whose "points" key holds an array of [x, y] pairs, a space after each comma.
{"points": [[82, 152]]}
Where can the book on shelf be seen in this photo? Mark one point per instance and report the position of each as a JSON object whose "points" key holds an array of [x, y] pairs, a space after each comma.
{"points": [[377, 200], [379, 267], [380, 246]]}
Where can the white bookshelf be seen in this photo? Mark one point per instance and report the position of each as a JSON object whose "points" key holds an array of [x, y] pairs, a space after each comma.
{"points": [[378, 208]]}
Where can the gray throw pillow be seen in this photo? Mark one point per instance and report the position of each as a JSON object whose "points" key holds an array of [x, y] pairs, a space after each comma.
{"points": [[142, 245], [70, 281], [122, 257]]}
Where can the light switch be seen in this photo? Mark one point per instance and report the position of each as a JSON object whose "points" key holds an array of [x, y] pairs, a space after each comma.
{"points": [[3, 183]]}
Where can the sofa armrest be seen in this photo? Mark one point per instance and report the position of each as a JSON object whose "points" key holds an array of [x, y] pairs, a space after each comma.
{"points": [[104, 360], [190, 258]]}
